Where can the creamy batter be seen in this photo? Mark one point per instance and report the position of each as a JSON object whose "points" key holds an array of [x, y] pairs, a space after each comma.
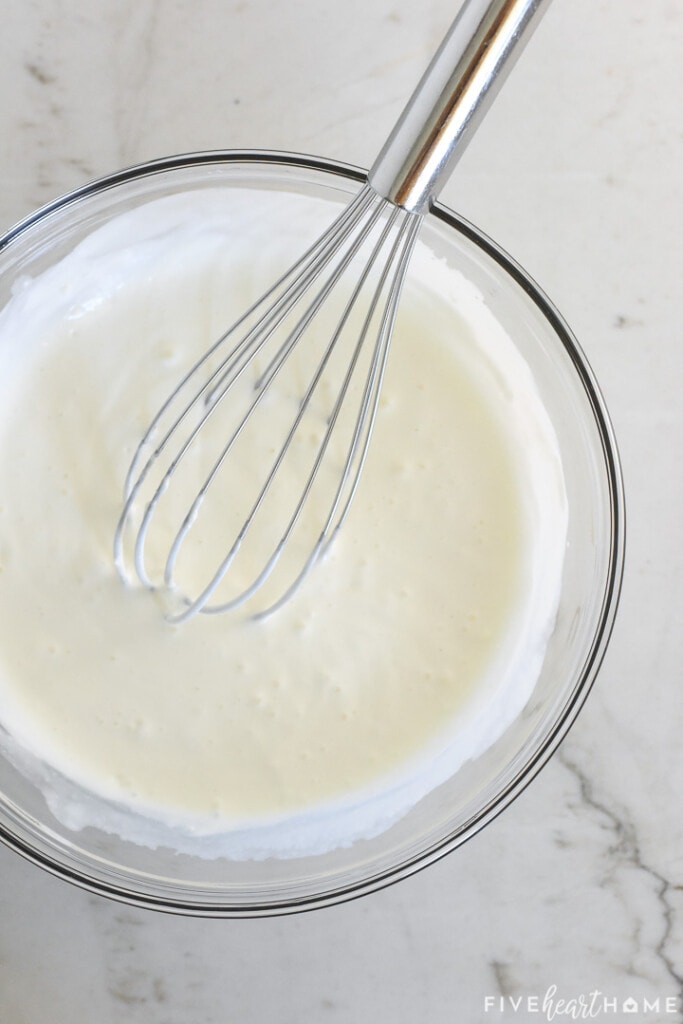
{"points": [[407, 651]]}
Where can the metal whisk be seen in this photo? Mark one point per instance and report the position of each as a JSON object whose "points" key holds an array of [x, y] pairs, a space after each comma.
{"points": [[310, 355]]}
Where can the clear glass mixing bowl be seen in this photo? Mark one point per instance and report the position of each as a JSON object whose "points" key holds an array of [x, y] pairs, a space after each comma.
{"points": [[188, 883]]}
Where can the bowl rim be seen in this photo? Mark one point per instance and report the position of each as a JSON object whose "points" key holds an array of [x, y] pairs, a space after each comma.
{"points": [[610, 598]]}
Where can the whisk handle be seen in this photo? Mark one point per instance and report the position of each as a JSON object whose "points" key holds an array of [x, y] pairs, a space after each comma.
{"points": [[453, 95]]}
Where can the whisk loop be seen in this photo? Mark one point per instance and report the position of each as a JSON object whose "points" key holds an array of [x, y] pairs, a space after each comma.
{"points": [[272, 330], [294, 385]]}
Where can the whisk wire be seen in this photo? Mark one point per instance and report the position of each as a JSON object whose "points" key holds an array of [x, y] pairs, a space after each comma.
{"points": [[378, 360], [301, 275], [403, 248], [317, 259], [265, 379], [367, 414]]}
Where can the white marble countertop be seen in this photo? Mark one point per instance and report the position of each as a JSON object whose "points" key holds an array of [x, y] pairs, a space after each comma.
{"points": [[577, 172]]}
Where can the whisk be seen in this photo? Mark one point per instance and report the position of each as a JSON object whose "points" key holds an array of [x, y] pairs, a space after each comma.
{"points": [[308, 356]]}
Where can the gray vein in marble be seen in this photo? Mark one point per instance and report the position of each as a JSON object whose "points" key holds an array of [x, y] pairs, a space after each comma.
{"points": [[624, 321], [505, 983], [139, 28], [626, 849], [130, 983], [39, 72]]}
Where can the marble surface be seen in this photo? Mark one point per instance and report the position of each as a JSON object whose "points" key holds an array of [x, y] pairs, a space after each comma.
{"points": [[578, 887]]}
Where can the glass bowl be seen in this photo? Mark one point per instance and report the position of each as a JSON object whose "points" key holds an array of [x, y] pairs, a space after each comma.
{"points": [[187, 882]]}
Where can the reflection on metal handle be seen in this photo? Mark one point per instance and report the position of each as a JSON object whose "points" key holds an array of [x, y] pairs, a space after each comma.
{"points": [[455, 92]]}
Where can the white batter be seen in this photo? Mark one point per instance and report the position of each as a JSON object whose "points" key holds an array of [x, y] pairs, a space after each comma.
{"points": [[407, 651]]}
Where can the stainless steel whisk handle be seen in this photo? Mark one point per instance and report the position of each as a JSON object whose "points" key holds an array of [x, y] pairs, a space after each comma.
{"points": [[453, 95]]}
